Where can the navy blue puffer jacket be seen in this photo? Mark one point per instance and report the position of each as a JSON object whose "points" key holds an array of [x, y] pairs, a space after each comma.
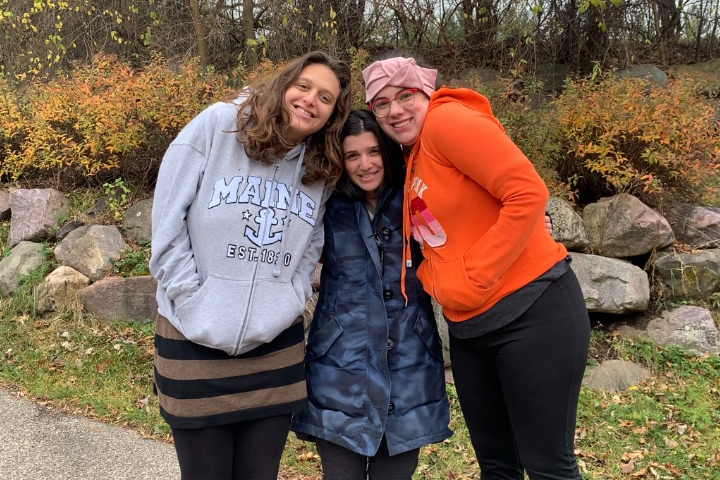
{"points": [[373, 365]]}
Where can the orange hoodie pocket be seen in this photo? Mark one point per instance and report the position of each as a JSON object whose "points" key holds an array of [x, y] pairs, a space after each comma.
{"points": [[448, 283]]}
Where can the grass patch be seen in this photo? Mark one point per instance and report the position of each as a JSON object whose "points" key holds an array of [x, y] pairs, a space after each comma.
{"points": [[665, 428]]}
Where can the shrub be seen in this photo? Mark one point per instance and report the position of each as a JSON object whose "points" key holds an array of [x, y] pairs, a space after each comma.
{"points": [[102, 120], [621, 135]]}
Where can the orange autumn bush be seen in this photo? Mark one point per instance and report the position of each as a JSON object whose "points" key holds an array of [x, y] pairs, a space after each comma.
{"points": [[102, 121], [621, 135], [602, 136]]}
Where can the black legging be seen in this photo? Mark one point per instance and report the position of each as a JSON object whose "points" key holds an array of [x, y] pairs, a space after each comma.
{"points": [[240, 451], [339, 463], [519, 387]]}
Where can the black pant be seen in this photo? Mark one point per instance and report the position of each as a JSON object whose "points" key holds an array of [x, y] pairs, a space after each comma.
{"points": [[339, 463], [519, 386], [244, 451]]}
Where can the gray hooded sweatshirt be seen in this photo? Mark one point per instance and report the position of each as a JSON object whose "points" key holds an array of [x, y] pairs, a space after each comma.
{"points": [[235, 241]]}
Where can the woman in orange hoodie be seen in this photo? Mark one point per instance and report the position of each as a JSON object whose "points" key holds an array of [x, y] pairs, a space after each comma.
{"points": [[519, 329]]}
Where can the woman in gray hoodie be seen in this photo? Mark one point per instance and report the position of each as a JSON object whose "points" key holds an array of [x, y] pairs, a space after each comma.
{"points": [[237, 231]]}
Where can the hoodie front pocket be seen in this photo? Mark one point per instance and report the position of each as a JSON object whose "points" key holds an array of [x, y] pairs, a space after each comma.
{"points": [[451, 286], [215, 316]]}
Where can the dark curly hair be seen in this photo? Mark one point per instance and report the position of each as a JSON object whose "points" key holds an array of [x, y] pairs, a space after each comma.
{"points": [[362, 121]]}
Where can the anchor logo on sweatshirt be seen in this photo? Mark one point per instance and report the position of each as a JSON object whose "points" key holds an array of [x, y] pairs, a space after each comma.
{"points": [[264, 234]]}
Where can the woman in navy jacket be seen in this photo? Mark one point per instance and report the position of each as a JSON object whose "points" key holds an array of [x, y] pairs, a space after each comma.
{"points": [[374, 366]]}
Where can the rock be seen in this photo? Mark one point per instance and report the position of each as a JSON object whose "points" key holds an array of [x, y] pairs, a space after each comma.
{"points": [[688, 327], [614, 375], [568, 226], [120, 298], [552, 76], [90, 249], [136, 224], [67, 228], [443, 331], [622, 226], [695, 225], [688, 275], [610, 285], [705, 74], [35, 213], [24, 258], [59, 289], [4, 205], [648, 72]]}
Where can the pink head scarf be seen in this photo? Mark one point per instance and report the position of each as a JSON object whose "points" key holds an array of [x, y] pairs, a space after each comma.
{"points": [[398, 72]]}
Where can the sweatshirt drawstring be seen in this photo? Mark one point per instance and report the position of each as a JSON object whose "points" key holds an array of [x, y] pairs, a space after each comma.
{"points": [[407, 252], [298, 172]]}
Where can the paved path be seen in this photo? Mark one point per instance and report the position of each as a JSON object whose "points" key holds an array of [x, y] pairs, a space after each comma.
{"points": [[37, 443]]}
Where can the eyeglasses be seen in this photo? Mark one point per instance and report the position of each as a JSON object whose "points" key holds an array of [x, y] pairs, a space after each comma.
{"points": [[405, 98]]}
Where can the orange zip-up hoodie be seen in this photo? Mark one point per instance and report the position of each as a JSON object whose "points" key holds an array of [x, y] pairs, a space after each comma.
{"points": [[476, 205]]}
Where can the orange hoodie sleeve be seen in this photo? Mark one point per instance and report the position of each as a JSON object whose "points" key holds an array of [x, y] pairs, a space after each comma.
{"points": [[475, 143]]}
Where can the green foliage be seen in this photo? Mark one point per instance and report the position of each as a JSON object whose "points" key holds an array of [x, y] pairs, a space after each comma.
{"points": [[116, 195], [23, 301], [132, 262], [665, 425], [358, 61], [622, 135], [4, 234], [104, 371]]}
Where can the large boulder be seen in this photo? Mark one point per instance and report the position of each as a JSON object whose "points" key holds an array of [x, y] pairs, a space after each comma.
{"points": [[614, 375], [59, 289], [35, 214], [651, 73], [695, 225], [622, 226], [552, 76], [704, 74], [568, 226], [4, 205], [688, 275], [120, 298], [610, 285], [91, 249], [136, 224], [687, 327], [23, 259]]}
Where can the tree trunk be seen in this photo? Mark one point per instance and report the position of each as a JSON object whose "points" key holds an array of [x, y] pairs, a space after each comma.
{"points": [[200, 38], [252, 54]]}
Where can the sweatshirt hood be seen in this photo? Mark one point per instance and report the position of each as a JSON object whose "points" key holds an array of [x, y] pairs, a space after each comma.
{"points": [[469, 98]]}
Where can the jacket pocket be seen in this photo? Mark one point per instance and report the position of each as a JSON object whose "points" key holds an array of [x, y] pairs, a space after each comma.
{"points": [[429, 335], [450, 285], [323, 338], [215, 315]]}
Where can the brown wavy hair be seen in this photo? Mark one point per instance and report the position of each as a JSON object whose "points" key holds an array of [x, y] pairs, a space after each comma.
{"points": [[263, 121]]}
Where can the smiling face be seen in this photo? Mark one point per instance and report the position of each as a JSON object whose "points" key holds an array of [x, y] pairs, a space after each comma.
{"points": [[311, 99], [363, 163], [403, 124]]}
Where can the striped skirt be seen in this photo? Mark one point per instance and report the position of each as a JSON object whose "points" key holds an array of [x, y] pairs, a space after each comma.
{"points": [[201, 387]]}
